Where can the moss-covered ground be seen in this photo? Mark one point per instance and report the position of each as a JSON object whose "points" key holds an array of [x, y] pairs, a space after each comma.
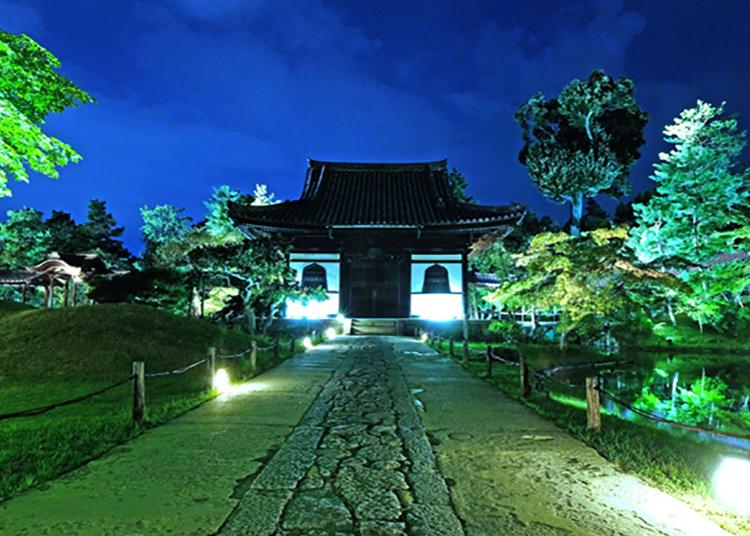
{"points": [[47, 356]]}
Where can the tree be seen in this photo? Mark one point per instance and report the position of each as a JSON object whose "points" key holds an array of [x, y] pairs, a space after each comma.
{"points": [[220, 226], [164, 231], [458, 184], [262, 197], [591, 279], [584, 142], [100, 234], [64, 232], [698, 209], [24, 239], [624, 214], [30, 89], [595, 217]]}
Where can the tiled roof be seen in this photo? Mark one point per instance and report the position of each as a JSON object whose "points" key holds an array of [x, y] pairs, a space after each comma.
{"points": [[340, 194]]}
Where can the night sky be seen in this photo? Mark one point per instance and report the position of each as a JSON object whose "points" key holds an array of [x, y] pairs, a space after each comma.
{"points": [[193, 94]]}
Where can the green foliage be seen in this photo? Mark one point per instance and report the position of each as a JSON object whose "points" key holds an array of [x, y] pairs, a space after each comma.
{"points": [[165, 228], [100, 234], [506, 331], [30, 89], [458, 184], [584, 142], [24, 239], [211, 261], [262, 197], [589, 278], [698, 212], [220, 226]]}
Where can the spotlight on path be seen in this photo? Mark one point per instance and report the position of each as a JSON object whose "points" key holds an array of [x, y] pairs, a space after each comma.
{"points": [[330, 333], [424, 337], [307, 343], [731, 484], [221, 380]]}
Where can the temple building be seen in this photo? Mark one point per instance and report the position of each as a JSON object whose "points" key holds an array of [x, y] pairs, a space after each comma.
{"points": [[386, 241]]}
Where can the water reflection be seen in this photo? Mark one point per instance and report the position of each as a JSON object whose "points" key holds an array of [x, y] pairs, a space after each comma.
{"points": [[707, 390]]}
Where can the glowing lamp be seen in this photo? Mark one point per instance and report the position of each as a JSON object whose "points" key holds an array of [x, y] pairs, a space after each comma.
{"points": [[424, 337], [731, 484], [340, 318], [221, 380], [307, 343], [330, 333]]}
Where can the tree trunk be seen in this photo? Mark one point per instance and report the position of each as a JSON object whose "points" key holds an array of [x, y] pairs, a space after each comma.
{"points": [[670, 310], [576, 214], [563, 337]]}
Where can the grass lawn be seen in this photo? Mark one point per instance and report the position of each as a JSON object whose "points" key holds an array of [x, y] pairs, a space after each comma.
{"points": [[680, 466], [48, 356]]}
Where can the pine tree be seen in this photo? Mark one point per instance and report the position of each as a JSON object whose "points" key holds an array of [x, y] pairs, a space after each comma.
{"points": [[699, 198], [100, 234], [458, 184], [584, 142]]}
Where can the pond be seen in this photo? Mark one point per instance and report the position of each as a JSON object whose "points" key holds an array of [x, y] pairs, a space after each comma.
{"points": [[708, 390]]}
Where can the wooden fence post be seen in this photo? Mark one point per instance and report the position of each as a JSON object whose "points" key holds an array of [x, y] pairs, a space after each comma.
{"points": [[450, 346], [593, 408], [292, 345], [139, 391], [276, 348], [489, 360], [254, 355], [211, 366], [466, 351], [524, 376]]}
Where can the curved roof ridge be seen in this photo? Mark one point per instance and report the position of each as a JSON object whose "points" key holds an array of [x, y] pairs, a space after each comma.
{"points": [[380, 166]]}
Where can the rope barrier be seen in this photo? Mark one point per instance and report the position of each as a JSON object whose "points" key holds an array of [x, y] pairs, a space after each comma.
{"points": [[651, 416], [234, 356], [176, 371], [50, 407]]}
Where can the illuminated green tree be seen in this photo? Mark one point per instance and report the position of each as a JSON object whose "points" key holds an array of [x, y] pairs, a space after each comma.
{"points": [[24, 239], [584, 142], [164, 231], [30, 89], [100, 234], [590, 279], [698, 207]]}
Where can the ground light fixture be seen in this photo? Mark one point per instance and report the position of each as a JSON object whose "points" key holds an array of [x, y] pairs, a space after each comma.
{"points": [[307, 343], [424, 337], [340, 318], [330, 333], [221, 380], [731, 484]]}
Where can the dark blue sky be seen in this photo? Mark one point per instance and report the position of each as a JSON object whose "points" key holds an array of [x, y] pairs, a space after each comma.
{"points": [[197, 93]]}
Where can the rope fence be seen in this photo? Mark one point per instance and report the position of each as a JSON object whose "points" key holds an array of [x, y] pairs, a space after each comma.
{"points": [[44, 409], [593, 387], [139, 375]]}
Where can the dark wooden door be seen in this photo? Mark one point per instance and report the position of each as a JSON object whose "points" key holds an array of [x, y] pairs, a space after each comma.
{"points": [[375, 288]]}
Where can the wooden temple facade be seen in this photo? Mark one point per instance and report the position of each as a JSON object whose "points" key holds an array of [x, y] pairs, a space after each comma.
{"points": [[384, 240]]}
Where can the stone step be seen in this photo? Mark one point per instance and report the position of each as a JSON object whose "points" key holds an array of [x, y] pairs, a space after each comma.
{"points": [[374, 326]]}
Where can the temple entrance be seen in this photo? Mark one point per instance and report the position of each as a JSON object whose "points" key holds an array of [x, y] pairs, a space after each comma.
{"points": [[376, 287]]}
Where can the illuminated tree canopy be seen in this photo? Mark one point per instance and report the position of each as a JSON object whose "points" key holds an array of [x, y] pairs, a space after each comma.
{"points": [[699, 211], [30, 89], [584, 142]]}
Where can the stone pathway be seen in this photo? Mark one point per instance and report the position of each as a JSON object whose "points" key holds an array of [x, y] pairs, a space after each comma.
{"points": [[371, 436], [358, 462]]}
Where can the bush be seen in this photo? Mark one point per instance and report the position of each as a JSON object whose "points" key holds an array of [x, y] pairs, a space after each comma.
{"points": [[506, 331]]}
